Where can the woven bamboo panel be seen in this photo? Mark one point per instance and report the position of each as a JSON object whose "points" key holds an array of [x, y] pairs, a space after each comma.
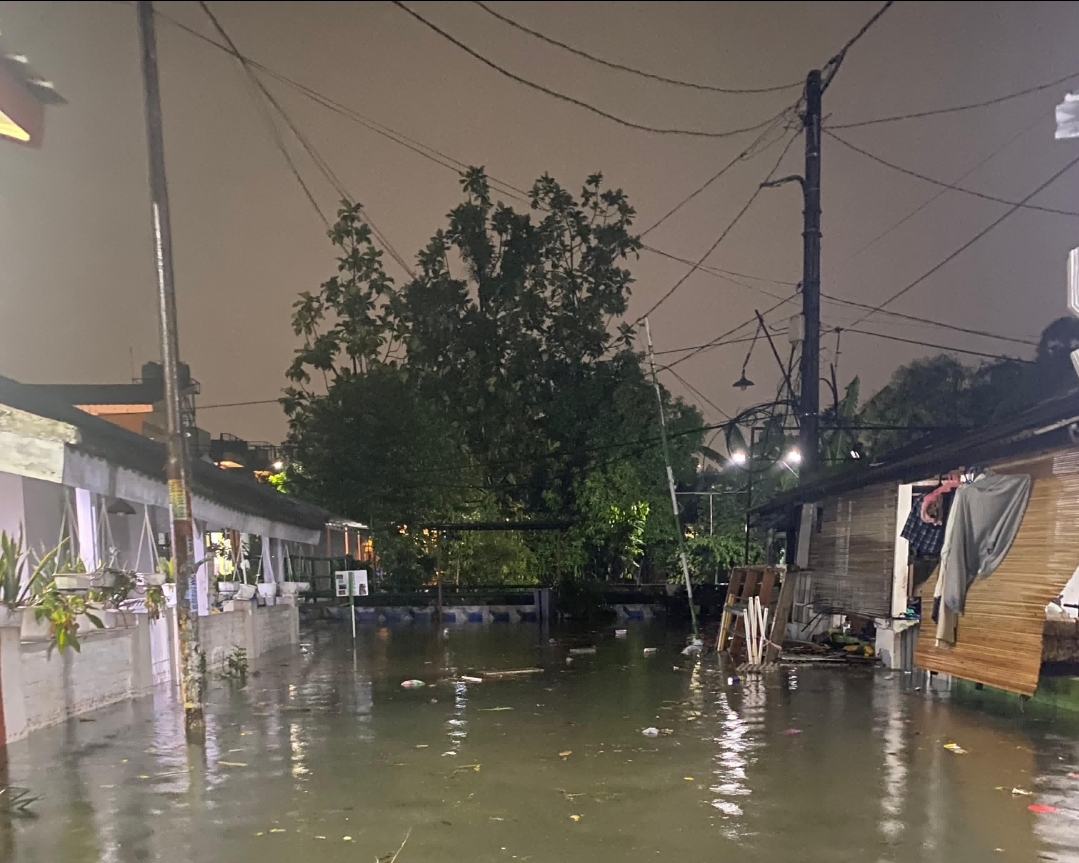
{"points": [[851, 556], [999, 639]]}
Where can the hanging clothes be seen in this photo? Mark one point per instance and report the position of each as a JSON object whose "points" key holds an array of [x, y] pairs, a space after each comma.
{"points": [[984, 520], [932, 509], [926, 540]]}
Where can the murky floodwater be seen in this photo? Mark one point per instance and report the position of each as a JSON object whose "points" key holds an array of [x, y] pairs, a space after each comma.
{"points": [[324, 756]]}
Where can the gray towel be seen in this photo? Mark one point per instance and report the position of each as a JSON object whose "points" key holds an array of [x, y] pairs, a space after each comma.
{"points": [[982, 525]]}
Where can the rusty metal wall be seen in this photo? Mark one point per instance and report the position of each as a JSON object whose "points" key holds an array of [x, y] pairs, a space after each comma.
{"points": [[851, 553], [999, 639]]}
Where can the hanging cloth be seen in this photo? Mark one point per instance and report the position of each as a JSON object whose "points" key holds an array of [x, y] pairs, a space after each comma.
{"points": [[928, 516], [984, 520], [925, 539]]}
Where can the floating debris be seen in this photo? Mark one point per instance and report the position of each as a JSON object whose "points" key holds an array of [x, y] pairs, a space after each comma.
{"points": [[1041, 807], [1022, 792], [468, 679], [581, 651], [575, 817], [620, 633], [955, 748], [565, 754], [651, 651], [232, 763], [475, 768], [693, 648], [494, 709], [651, 732], [413, 684], [513, 672], [790, 732]]}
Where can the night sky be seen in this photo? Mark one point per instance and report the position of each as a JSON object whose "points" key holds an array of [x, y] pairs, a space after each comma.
{"points": [[76, 278]]}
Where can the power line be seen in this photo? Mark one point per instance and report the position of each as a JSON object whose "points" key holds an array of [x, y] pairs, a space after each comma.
{"points": [[698, 393], [570, 99], [320, 163], [969, 242], [456, 165], [721, 237], [937, 346], [745, 154], [945, 186], [1037, 122], [718, 340], [936, 112], [832, 66], [276, 401], [621, 68]]}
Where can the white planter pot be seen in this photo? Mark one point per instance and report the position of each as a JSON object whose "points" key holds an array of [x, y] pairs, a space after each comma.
{"points": [[267, 589], [11, 617], [288, 588], [105, 579], [302, 586], [72, 582], [170, 594], [228, 589], [157, 578], [245, 592], [32, 628]]}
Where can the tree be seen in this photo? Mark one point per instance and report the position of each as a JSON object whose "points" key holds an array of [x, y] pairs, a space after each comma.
{"points": [[495, 384]]}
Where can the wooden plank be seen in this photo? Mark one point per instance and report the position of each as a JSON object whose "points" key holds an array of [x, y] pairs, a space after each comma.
{"points": [[734, 587], [750, 581], [782, 614]]}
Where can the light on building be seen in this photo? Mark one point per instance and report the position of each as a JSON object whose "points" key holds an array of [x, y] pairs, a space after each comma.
{"points": [[279, 465], [793, 457], [855, 454], [738, 457]]}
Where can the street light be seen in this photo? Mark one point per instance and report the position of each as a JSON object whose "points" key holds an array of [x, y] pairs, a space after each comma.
{"points": [[793, 457], [738, 457], [279, 465]]}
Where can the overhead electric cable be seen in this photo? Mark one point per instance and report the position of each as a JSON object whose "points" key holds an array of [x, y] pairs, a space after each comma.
{"points": [[320, 163], [969, 106], [946, 186], [721, 237], [969, 242], [933, 345], [570, 99], [622, 68]]}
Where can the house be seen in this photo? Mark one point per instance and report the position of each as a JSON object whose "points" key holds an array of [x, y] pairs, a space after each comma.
{"points": [[853, 560], [67, 475]]}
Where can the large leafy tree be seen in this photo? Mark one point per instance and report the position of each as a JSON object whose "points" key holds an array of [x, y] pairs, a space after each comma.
{"points": [[498, 382]]}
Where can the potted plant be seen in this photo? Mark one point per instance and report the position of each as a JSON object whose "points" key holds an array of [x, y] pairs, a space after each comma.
{"points": [[12, 590]]}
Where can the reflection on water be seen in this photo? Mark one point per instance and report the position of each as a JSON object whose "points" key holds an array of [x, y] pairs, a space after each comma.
{"points": [[323, 753]]}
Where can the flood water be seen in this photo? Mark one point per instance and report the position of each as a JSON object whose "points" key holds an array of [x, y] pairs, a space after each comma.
{"points": [[324, 756]]}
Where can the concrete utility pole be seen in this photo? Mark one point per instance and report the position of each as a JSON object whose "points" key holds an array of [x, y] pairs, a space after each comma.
{"points": [[178, 469], [810, 366]]}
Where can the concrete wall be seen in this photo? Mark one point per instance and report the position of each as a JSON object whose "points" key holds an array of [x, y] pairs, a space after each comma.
{"points": [[41, 688]]}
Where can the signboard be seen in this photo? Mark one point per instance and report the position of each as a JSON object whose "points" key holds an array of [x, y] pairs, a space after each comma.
{"points": [[359, 582]]}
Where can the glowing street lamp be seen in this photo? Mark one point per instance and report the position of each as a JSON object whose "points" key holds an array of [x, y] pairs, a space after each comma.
{"points": [[738, 457]]}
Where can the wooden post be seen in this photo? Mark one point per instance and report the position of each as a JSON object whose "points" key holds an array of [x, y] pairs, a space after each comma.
{"points": [[783, 613]]}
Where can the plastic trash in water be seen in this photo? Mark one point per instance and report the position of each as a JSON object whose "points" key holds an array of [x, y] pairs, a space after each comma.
{"points": [[955, 748], [733, 680], [413, 684], [650, 732], [693, 648], [582, 651], [620, 633], [650, 651], [1041, 807], [790, 732], [469, 679]]}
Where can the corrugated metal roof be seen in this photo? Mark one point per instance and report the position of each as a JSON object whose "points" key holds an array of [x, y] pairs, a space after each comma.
{"points": [[119, 446], [1041, 429]]}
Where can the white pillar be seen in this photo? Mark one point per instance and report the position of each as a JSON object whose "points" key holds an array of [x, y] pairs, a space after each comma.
{"points": [[87, 519], [202, 581], [267, 561]]}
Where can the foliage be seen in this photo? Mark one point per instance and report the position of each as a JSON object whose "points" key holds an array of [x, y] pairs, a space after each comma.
{"points": [[496, 384], [941, 391], [236, 666], [62, 609], [154, 600], [12, 565], [710, 558]]}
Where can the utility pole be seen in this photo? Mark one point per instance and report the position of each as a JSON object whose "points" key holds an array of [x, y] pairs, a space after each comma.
{"points": [[670, 481], [810, 396], [177, 468]]}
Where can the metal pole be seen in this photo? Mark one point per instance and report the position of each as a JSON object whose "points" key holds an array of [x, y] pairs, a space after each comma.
{"points": [[351, 603], [811, 277], [670, 481], [711, 520], [177, 463], [749, 488]]}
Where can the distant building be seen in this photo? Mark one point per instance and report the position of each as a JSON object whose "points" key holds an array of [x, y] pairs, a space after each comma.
{"points": [[23, 97], [138, 406]]}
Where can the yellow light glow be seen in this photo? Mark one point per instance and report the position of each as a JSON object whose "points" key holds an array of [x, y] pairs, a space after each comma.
{"points": [[10, 129]]}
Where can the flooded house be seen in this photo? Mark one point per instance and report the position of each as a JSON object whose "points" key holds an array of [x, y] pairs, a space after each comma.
{"points": [[98, 488], [895, 543]]}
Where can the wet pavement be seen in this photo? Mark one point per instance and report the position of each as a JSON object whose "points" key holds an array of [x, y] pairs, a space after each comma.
{"points": [[323, 753]]}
